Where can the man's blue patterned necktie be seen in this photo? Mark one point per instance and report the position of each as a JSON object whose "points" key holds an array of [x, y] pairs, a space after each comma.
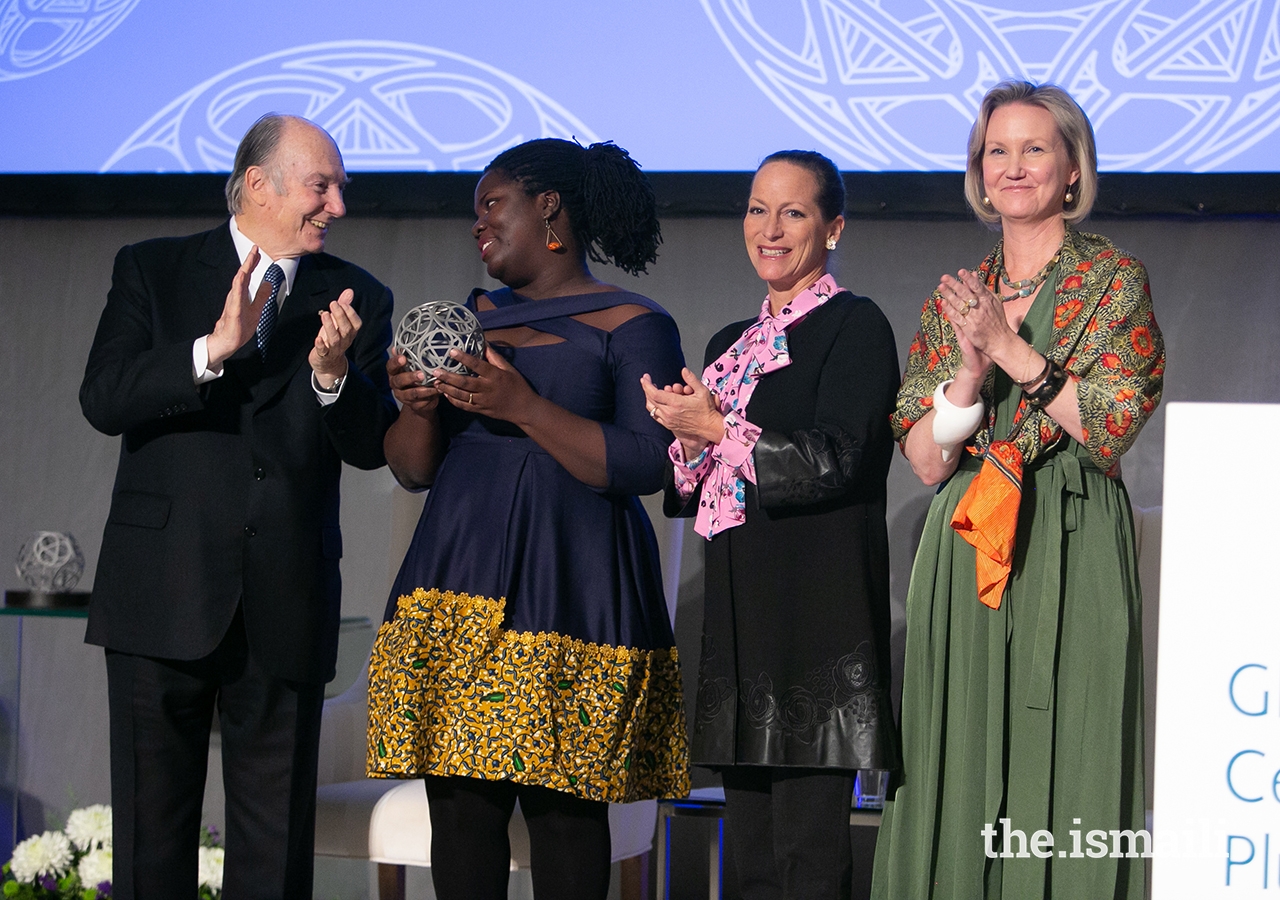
{"points": [[267, 321]]}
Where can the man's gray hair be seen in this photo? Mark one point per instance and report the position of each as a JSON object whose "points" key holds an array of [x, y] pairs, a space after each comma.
{"points": [[257, 148]]}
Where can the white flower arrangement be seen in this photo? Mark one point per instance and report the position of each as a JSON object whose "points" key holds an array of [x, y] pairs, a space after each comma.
{"points": [[90, 828], [75, 863], [212, 860], [95, 869], [42, 856]]}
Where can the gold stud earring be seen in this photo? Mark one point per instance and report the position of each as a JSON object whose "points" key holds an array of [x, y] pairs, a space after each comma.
{"points": [[553, 239], [986, 201], [831, 243]]}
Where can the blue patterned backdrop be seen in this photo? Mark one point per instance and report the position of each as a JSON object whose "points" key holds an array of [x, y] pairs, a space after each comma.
{"points": [[170, 85]]}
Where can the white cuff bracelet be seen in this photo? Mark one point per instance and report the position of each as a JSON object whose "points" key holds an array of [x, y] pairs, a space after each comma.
{"points": [[951, 423]]}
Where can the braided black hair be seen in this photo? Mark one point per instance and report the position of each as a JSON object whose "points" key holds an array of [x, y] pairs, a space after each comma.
{"points": [[609, 200], [830, 184]]}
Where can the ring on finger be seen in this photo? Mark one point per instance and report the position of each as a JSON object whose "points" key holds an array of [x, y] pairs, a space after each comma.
{"points": [[471, 398], [653, 412]]}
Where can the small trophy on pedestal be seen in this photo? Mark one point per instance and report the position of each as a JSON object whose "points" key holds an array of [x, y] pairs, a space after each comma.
{"points": [[50, 564]]}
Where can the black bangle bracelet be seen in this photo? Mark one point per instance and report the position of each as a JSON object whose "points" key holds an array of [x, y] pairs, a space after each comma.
{"points": [[1049, 388], [1048, 366]]}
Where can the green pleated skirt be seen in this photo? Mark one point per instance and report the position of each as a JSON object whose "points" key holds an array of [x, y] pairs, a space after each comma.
{"points": [[1030, 713]]}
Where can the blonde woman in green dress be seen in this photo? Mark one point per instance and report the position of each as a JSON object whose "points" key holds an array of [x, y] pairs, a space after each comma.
{"points": [[1028, 380]]}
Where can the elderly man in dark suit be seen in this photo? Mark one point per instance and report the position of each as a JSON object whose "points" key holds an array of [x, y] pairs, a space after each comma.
{"points": [[217, 586]]}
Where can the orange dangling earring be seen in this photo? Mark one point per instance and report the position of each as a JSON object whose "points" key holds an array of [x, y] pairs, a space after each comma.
{"points": [[553, 239]]}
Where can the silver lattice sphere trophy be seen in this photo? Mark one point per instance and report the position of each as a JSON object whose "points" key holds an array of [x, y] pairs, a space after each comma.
{"points": [[428, 332], [50, 561]]}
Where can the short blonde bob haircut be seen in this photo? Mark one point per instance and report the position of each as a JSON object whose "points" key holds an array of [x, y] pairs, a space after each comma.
{"points": [[1073, 128]]}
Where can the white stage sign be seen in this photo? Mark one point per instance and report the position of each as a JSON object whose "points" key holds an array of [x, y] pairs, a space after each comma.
{"points": [[1217, 767]]}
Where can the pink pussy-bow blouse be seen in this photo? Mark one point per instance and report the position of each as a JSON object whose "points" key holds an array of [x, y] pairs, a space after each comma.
{"points": [[724, 468]]}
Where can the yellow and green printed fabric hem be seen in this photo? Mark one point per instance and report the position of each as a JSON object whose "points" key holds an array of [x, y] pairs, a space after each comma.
{"points": [[453, 693]]}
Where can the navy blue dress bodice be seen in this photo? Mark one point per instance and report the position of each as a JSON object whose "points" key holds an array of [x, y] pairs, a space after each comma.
{"points": [[505, 520]]}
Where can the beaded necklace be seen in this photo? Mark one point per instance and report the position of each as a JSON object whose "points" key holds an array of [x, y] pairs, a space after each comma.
{"points": [[1026, 286]]}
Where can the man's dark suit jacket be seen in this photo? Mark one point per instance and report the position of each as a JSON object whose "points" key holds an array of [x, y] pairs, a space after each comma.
{"points": [[227, 492]]}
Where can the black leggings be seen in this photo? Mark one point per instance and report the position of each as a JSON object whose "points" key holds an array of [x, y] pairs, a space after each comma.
{"points": [[471, 855]]}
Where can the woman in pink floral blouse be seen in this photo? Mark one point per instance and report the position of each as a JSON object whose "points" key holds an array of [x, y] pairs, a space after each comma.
{"points": [[781, 453]]}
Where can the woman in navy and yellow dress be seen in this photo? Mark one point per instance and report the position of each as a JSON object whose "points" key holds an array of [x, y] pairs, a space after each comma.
{"points": [[527, 652]]}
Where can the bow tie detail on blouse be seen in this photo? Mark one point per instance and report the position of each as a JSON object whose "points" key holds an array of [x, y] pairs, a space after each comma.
{"points": [[724, 468]]}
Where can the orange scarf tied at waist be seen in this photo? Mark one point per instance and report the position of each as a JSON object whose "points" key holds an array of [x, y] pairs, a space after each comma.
{"points": [[987, 517]]}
